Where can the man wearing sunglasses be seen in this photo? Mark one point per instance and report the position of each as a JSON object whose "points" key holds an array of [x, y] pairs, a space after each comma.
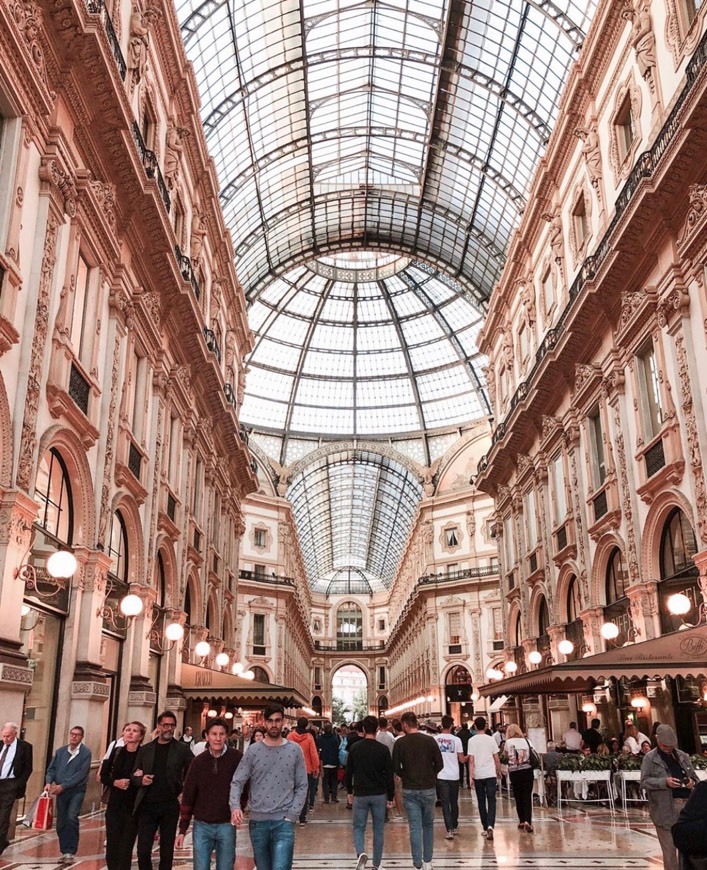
{"points": [[276, 772]]}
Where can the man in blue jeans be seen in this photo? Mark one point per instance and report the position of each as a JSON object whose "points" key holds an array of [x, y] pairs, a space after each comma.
{"points": [[417, 761], [485, 770], [66, 780], [275, 769], [206, 795], [370, 786]]}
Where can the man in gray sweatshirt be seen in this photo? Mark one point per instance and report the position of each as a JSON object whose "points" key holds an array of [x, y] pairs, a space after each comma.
{"points": [[275, 769]]}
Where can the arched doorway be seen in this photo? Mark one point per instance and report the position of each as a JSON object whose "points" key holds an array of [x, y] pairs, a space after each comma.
{"points": [[457, 693], [349, 694]]}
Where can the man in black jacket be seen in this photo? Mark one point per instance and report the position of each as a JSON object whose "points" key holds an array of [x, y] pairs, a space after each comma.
{"points": [[370, 786], [328, 748], [160, 768], [15, 770]]}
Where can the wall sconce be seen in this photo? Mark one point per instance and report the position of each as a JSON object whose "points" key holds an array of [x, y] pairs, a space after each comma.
{"points": [[680, 605], [174, 632], [222, 660], [589, 708], [203, 649], [609, 631], [510, 667], [60, 566], [475, 696], [534, 657], [237, 668], [130, 606], [566, 647], [638, 703], [248, 675]]}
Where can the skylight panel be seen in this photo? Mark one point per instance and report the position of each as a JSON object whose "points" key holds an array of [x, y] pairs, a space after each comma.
{"points": [[384, 392], [332, 338], [269, 414], [380, 364], [335, 365], [381, 336]]}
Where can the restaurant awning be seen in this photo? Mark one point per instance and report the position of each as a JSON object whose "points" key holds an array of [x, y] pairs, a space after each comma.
{"points": [[198, 682], [680, 653]]}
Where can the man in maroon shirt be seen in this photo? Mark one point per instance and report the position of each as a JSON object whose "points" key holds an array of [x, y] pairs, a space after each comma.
{"points": [[205, 797]]}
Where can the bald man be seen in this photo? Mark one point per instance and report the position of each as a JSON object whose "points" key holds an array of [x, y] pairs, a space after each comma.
{"points": [[15, 770]]}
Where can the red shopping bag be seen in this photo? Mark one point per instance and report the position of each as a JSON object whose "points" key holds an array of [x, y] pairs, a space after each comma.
{"points": [[44, 816]]}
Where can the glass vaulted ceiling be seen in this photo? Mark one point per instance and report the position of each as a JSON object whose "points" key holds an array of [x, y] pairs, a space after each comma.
{"points": [[409, 125]]}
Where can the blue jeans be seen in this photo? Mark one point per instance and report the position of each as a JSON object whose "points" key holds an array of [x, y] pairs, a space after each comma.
{"points": [[68, 807], [273, 844], [449, 795], [420, 807], [361, 805], [486, 799], [219, 838]]}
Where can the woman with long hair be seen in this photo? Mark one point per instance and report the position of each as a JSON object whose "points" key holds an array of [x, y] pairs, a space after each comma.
{"points": [[520, 772], [121, 824]]}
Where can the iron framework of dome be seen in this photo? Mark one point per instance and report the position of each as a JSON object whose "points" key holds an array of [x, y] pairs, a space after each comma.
{"points": [[353, 510], [408, 125], [349, 347]]}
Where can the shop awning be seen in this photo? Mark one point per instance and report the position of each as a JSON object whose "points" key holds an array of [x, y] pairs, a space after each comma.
{"points": [[497, 704], [205, 683], [680, 653]]}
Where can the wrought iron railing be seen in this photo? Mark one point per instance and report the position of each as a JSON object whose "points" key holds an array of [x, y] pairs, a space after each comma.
{"points": [[272, 579], [151, 166], [186, 269], [645, 167], [134, 460], [462, 574], [98, 7], [655, 458], [79, 389], [212, 342]]}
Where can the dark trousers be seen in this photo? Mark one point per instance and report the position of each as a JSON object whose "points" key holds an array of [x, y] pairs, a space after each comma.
{"points": [[121, 832], [8, 796], [522, 782], [486, 799], [330, 782], [464, 774], [448, 791], [309, 799], [68, 807], [151, 818]]}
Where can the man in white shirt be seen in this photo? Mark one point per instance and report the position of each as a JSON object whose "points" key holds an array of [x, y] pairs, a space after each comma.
{"points": [[448, 778], [572, 738], [485, 770], [499, 734], [383, 735], [15, 770]]}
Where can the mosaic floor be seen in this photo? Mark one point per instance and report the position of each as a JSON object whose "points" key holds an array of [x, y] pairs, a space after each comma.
{"points": [[581, 837]]}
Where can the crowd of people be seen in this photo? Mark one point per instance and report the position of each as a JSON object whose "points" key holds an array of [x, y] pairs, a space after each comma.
{"points": [[269, 774]]}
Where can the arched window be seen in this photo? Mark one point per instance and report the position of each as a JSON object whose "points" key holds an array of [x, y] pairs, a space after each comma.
{"points": [[160, 581], [118, 548], [574, 603], [188, 606], [211, 621], [616, 577], [260, 674], [517, 632], [53, 495], [543, 617], [459, 676], [349, 626], [677, 546]]}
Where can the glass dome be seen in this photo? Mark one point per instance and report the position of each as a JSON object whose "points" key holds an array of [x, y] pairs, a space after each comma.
{"points": [[364, 344]]}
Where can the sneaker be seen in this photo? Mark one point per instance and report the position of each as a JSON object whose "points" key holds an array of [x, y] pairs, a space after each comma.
{"points": [[362, 861], [449, 836], [68, 859], [302, 822], [489, 833], [427, 865], [484, 833], [455, 831]]}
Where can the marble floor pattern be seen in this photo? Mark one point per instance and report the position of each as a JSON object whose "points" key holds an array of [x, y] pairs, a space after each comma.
{"points": [[581, 837]]}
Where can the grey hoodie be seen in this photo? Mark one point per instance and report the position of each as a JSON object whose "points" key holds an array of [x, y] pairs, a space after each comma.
{"points": [[278, 781]]}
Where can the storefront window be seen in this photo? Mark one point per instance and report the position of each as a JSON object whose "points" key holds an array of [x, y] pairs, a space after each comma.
{"points": [[53, 496], [41, 637]]}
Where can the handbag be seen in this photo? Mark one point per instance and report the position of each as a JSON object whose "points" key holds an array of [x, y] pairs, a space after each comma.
{"points": [[533, 756], [44, 815]]}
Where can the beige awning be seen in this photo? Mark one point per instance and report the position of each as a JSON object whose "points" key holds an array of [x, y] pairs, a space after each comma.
{"points": [[198, 682], [680, 653]]}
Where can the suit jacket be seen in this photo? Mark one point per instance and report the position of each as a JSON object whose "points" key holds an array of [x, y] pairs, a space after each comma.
{"points": [[22, 766], [179, 758]]}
